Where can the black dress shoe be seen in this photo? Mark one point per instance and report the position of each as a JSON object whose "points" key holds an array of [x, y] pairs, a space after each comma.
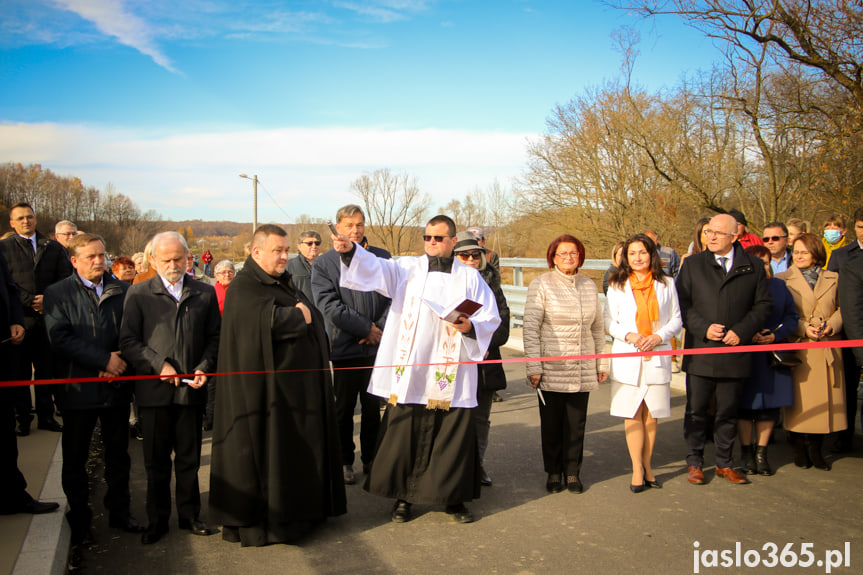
{"points": [[39, 507], [153, 533], [197, 527], [484, 478], [49, 424], [460, 513], [23, 430], [637, 488], [401, 512], [573, 483], [554, 483], [128, 524], [84, 538]]}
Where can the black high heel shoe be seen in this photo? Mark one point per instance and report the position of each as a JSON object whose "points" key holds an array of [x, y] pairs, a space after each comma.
{"points": [[651, 483], [638, 488]]}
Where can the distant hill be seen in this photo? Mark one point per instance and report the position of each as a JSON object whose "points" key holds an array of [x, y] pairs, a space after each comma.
{"points": [[203, 229]]}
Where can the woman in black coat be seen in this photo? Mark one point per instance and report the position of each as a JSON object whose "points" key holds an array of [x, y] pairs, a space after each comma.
{"points": [[768, 388], [491, 376]]}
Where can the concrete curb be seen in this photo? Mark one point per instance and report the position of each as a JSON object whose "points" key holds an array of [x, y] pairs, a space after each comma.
{"points": [[46, 547]]}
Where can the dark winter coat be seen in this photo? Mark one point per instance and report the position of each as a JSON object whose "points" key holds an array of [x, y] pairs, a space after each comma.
{"points": [[31, 273], [83, 333], [851, 301], [492, 376], [739, 300], [349, 313], [771, 387], [156, 328], [301, 274]]}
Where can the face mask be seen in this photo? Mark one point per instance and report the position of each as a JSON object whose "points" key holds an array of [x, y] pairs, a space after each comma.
{"points": [[832, 236]]}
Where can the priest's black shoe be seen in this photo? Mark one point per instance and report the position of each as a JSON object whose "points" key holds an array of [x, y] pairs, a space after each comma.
{"points": [[401, 512], [573, 484], [49, 424], [153, 533], [460, 513], [197, 527], [554, 483], [484, 478], [128, 524]]}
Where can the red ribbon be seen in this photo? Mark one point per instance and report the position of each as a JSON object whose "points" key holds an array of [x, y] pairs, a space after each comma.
{"points": [[700, 351]]}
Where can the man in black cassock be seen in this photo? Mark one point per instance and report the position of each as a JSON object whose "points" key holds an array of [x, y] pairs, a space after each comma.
{"points": [[276, 470]]}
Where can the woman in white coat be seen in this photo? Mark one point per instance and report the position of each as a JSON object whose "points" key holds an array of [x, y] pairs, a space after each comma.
{"points": [[641, 314]]}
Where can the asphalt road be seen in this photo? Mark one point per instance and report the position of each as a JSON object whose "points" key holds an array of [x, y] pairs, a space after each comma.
{"points": [[521, 529]]}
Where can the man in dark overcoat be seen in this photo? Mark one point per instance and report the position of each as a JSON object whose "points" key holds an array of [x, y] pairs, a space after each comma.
{"points": [[276, 467], [13, 487], [725, 300], [171, 328], [83, 315], [35, 262]]}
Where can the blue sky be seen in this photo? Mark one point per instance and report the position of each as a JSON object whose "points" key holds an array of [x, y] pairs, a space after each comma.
{"points": [[170, 100]]}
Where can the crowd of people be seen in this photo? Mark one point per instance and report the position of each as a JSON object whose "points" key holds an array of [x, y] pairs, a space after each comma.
{"points": [[295, 343]]}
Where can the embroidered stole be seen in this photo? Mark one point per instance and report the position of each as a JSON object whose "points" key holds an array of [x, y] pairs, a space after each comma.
{"points": [[440, 383]]}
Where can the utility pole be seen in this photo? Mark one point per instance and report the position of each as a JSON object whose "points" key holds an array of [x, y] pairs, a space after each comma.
{"points": [[255, 212]]}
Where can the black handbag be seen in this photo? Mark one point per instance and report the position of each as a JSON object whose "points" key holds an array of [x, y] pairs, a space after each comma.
{"points": [[783, 358]]}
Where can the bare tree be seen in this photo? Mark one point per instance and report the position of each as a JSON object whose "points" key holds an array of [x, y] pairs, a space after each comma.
{"points": [[824, 36], [394, 207]]}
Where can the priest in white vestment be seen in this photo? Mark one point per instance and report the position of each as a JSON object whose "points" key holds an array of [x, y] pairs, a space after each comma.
{"points": [[427, 451]]}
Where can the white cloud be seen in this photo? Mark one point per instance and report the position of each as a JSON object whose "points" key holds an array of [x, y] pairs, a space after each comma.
{"points": [[112, 19], [307, 171]]}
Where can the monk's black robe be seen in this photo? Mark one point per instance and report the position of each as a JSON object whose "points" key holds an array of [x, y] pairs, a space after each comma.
{"points": [[275, 469]]}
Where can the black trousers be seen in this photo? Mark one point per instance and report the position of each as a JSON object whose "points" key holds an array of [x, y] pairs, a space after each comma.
{"points": [[177, 429], [852, 379], [562, 420], [34, 360], [78, 428], [699, 390], [13, 487], [348, 384]]}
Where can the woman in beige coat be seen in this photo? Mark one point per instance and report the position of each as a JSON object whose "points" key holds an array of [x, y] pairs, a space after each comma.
{"points": [[563, 317], [819, 386]]}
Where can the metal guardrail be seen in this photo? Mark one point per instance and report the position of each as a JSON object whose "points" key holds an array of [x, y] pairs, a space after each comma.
{"points": [[516, 294]]}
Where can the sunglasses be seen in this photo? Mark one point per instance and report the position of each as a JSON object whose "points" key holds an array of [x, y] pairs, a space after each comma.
{"points": [[772, 238], [313, 243], [438, 239], [469, 255]]}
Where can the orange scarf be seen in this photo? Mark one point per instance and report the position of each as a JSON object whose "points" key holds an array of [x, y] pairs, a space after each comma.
{"points": [[647, 306]]}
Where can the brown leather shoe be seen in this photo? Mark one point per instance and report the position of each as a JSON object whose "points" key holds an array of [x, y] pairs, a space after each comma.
{"points": [[731, 475], [695, 475]]}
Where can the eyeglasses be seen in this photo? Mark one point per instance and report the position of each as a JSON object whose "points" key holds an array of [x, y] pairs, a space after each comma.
{"points": [[225, 272], [567, 255], [799, 253], [313, 243], [469, 255], [438, 239], [717, 233], [772, 238]]}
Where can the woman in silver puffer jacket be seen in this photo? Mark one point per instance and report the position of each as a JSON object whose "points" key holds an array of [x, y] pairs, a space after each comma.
{"points": [[563, 317]]}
